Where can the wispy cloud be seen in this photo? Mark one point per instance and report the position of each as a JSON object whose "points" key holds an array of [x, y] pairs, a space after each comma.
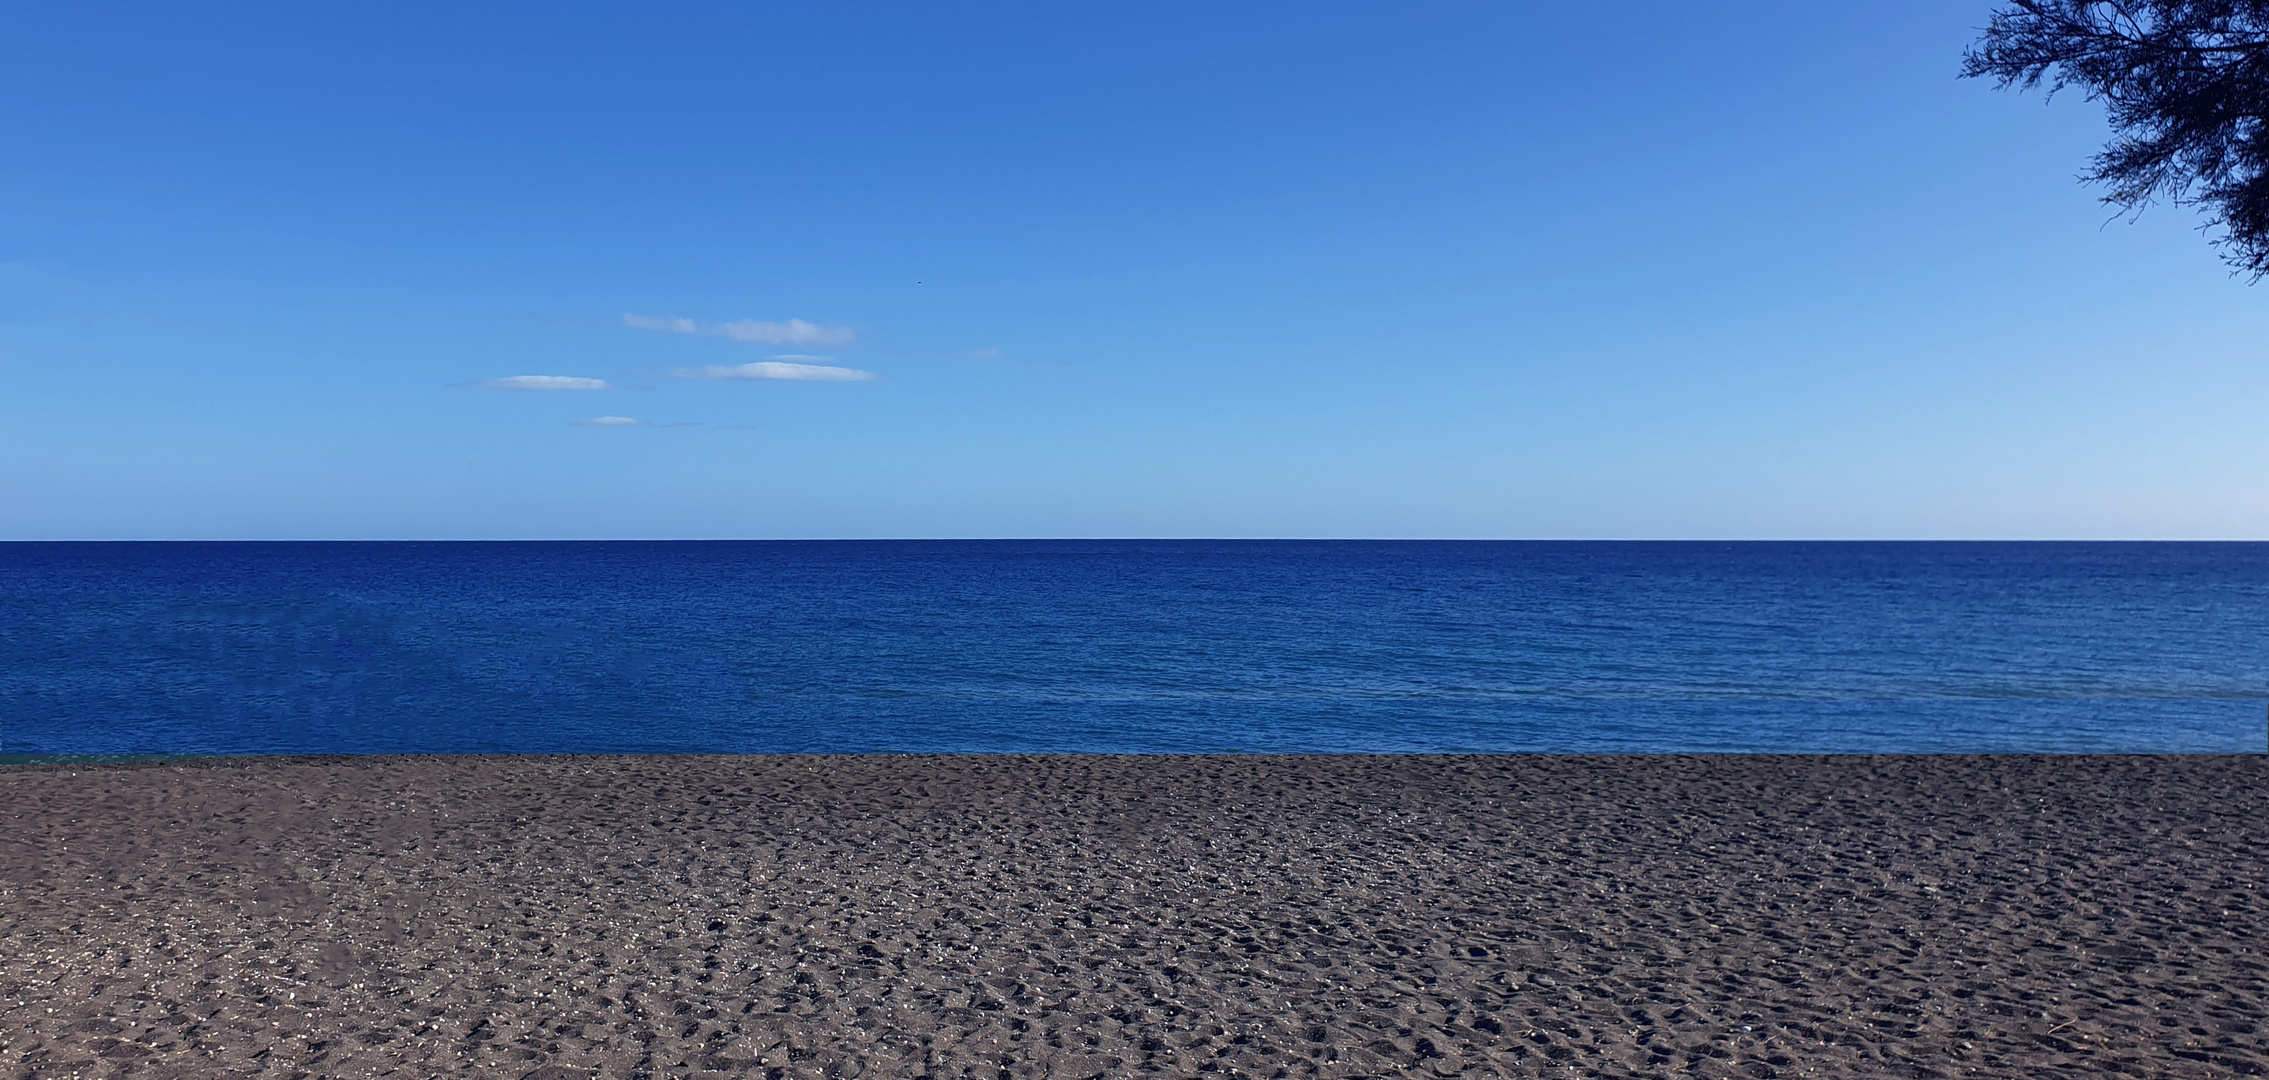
{"points": [[748, 331], [792, 332], [780, 369], [665, 324], [983, 354], [545, 382], [611, 421]]}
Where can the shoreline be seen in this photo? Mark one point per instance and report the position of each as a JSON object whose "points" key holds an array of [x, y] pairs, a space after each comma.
{"points": [[909, 915]]}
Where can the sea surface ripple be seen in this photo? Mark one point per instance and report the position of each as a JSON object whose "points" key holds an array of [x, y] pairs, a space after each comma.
{"points": [[1132, 646]]}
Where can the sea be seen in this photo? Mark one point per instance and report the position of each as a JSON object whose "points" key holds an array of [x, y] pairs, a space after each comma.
{"points": [[124, 649]]}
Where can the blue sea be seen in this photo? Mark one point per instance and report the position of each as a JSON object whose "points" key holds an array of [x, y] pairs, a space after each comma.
{"points": [[1328, 646]]}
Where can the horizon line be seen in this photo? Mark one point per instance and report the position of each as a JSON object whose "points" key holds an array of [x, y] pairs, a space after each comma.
{"points": [[1141, 539]]}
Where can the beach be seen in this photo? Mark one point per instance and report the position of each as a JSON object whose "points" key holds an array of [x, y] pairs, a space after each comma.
{"points": [[1081, 916]]}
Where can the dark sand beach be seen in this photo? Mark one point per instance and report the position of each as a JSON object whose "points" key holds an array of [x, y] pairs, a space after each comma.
{"points": [[1009, 917]]}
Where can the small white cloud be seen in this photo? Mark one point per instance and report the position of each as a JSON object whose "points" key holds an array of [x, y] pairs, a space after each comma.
{"points": [[546, 382], [775, 369], [611, 421], [748, 331], [665, 324], [792, 332]]}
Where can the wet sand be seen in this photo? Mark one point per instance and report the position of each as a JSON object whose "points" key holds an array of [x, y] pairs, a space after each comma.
{"points": [[1010, 917]]}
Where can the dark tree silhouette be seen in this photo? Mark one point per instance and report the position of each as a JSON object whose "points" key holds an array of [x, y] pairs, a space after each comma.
{"points": [[2186, 83]]}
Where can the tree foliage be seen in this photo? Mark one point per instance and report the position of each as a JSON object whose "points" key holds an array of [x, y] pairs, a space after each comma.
{"points": [[2186, 84]]}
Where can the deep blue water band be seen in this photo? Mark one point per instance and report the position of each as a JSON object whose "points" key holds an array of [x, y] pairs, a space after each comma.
{"points": [[1132, 646]]}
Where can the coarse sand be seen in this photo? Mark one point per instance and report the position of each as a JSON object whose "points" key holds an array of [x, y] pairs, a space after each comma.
{"points": [[1007, 917]]}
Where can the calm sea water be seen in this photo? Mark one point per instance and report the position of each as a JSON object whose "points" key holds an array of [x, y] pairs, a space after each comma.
{"points": [[1132, 646]]}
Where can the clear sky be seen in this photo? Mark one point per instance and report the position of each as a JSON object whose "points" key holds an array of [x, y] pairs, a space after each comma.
{"points": [[1161, 269]]}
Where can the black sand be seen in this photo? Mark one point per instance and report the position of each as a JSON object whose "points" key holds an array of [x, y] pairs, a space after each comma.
{"points": [[1007, 917]]}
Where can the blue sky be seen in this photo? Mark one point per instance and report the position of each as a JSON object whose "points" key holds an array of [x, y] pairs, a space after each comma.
{"points": [[1167, 269]]}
